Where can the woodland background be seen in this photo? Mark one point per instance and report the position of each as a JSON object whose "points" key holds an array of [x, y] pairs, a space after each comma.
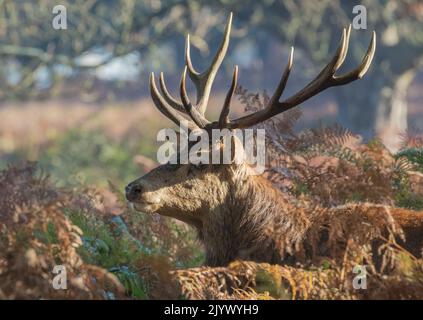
{"points": [[77, 124]]}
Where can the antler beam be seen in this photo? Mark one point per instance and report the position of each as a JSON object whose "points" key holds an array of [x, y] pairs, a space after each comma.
{"points": [[325, 79], [185, 110]]}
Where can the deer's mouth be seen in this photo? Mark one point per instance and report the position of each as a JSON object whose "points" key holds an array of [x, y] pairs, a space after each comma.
{"points": [[141, 199], [146, 207]]}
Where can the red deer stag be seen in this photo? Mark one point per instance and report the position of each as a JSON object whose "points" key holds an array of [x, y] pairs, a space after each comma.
{"points": [[231, 207]]}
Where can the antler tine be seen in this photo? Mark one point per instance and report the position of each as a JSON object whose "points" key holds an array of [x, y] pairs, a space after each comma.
{"points": [[361, 70], [273, 105], [325, 79], [204, 81], [198, 118], [223, 118], [193, 74], [329, 70], [345, 51], [166, 109], [282, 83], [168, 97]]}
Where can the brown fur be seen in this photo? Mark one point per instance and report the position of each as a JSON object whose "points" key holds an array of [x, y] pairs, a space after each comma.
{"points": [[234, 210]]}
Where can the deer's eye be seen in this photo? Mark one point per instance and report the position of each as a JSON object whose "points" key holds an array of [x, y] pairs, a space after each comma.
{"points": [[188, 186], [200, 166], [172, 167], [196, 167]]}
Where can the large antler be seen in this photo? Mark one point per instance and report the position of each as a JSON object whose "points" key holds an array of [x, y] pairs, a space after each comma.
{"points": [[185, 110], [325, 79], [172, 108]]}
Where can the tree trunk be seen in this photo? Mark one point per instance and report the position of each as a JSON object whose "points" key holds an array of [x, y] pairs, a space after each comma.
{"points": [[391, 117]]}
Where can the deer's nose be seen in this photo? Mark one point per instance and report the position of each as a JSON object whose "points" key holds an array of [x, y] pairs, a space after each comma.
{"points": [[132, 192]]}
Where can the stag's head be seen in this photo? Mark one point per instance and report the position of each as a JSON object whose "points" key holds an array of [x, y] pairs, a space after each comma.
{"points": [[189, 191]]}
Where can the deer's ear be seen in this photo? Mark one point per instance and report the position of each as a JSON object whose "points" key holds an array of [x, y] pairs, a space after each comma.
{"points": [[229, 149], [237, 150], [233, 149]]}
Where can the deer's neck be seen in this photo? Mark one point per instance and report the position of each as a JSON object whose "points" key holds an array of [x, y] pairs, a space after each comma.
{"points": [[239, 228]]}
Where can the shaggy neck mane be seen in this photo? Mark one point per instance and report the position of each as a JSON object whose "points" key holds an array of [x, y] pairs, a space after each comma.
{"points": [[240, 227]]}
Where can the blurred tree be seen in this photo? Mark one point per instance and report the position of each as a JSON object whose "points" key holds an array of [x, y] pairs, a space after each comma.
{"points": [[30, 48]]}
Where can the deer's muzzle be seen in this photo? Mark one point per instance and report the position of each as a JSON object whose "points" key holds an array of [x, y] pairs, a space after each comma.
{"points": [[133, 192]]}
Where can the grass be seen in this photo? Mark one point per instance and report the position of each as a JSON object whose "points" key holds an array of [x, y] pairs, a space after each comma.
{"points": [[108, 243], [82, 157], [113, 250], [414, 155], [405, 197], [80, 144]]}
